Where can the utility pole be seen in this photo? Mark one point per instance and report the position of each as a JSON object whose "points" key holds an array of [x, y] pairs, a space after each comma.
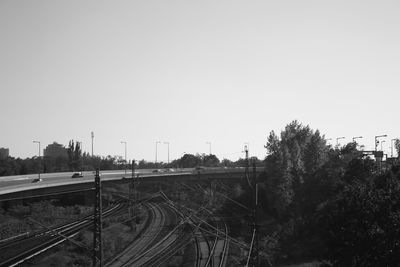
{"points": [[92, 142], [97, 223]]}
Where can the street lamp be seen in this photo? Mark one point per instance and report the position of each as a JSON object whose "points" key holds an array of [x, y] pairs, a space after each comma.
{"points": [[38, 142], [124, 142], [158, 142], [377, 141], [92, 135], [209, 143], [167, 143], [337, 140], [391, 141]]}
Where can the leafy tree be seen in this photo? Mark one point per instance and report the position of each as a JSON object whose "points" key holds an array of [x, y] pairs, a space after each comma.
{"points": [[74, 155], [227, 163], [292, 160], [190, 161], [361, 223], [210, 160], [146, 165]]}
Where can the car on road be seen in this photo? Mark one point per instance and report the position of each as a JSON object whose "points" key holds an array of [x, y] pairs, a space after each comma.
{"points": [[198, 170], [36, 180], [77, 175]]}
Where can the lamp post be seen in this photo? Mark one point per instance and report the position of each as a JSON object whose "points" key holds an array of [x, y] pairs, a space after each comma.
{"points": [[38, 142], [391, 147], [92, 134], [158, 142], [167, 143], [124, 142], [209, 143], [337, 140], [377, 141]]}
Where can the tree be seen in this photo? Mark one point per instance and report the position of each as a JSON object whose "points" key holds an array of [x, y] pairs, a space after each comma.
{"points": [[74, 155], [291, 161], [360, 225], [210, 160], [190, 161], [227, 163]]}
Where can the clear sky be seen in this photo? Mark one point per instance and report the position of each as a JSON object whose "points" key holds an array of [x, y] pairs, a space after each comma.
{"points": [[188, 72]]}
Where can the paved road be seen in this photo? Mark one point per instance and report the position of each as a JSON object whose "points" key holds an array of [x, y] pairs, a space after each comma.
{"points": [[16, 182]]}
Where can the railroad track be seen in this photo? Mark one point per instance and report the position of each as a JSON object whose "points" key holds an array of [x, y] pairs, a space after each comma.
{"points": [[146, 236], [155, 240], [211, 241], [211, 244], [220, 246], [26, 247]]}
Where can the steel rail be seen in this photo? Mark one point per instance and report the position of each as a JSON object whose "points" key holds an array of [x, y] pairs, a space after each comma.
{"points": [[47, 239]]}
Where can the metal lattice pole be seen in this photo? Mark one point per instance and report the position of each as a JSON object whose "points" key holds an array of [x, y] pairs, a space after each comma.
{"points": [[132, 197], [256, 227], [97, 223]]}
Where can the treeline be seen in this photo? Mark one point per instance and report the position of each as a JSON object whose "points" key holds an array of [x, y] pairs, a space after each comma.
{"points": [[17, 166], [75, 160], [206, 160], [331, 205], [78, 161]]}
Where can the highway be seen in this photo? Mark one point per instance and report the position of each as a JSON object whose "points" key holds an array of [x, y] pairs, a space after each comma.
{"points": [[9, 184], [12, 184]]}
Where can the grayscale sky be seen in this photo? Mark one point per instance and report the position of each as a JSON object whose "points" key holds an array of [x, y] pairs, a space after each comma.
{"points": [[188, 72]]}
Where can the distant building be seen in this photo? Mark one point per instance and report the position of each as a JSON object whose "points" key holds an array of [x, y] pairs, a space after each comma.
{"points": [[4, 153], [55, 150]]}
